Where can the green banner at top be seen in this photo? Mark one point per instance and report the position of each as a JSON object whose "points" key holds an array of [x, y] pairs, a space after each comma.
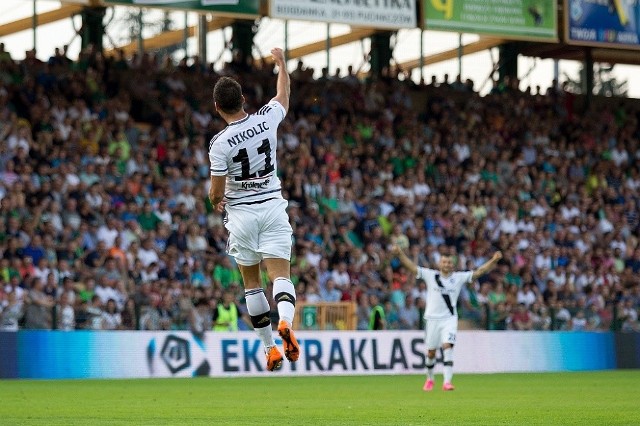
{"points": [[512, 19], [223, 7]]}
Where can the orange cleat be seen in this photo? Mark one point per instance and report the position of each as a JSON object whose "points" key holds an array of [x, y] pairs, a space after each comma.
{"points": [[289, 342], [448, 387], [274, 359]]}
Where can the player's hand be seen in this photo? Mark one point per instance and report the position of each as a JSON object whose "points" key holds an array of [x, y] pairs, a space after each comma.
{"points": [[497, 256], [216, 207], [220, 206], [396, 250], [278, 55]]}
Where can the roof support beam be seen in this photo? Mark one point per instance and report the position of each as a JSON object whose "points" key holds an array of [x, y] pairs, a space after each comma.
{"points": [[468, 49], [171, 38], [43, 18], [319, 46]]}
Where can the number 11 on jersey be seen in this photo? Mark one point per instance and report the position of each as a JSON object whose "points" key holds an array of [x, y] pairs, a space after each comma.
{"points": [[243, 159]]}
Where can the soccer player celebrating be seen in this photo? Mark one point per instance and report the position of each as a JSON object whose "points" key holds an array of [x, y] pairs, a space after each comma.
{"points": [[245, 186], [441, 315]]}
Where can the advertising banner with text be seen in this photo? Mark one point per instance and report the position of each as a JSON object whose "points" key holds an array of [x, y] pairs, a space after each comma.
{"points": [[391, 14], [613, 23], [251, 8], [130, 354], [511, 19]]}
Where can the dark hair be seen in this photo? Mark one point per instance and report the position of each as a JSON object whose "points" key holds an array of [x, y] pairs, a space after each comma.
{"points": [[227, 94]]}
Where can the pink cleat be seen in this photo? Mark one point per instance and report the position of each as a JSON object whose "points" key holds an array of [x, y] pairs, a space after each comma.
{"points": [[448, 387], [428, 386]]}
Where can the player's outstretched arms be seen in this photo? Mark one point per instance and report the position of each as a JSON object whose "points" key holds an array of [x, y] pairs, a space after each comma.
{"points": [[487, 266], [406, 262], [283, 85]]}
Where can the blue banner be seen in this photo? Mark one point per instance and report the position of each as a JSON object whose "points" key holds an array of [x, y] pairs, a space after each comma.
{"points": [[628, 350], [141, 354], [612, 23], [9, 355]]}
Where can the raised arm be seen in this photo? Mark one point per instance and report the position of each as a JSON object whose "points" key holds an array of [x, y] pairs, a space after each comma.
{"points": [[406, 262], [487, 266], [283, 87]]}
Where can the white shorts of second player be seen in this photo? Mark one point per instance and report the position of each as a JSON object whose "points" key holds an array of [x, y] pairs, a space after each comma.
{"points": [[258, 231], [440, 331]]}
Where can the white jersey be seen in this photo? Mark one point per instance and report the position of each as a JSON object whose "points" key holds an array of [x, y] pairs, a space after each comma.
{"points": [[443, 292], [245, 152]]}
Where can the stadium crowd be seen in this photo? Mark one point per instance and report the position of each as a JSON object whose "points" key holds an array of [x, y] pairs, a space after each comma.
{"points": [[105, 222]]}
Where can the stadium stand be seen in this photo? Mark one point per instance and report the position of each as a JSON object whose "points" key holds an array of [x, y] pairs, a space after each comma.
{"points": [[105, 222]]}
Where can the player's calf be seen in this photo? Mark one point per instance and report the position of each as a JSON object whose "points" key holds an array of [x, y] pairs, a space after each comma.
{"points": [[285, 297]]}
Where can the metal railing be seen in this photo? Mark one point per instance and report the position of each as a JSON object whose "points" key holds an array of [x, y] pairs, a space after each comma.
{"points": [[325, 316]]}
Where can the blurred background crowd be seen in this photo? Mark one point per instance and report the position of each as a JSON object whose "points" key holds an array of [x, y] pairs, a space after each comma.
{"points": [[105, 222]]}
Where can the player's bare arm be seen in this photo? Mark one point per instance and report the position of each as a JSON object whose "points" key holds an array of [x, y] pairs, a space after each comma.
{"points": [[216, 192], [283, 85], [487, 266], [406, 262]]}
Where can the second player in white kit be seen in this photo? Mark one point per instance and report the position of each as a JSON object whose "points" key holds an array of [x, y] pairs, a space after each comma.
{"points": [[441, 315]]}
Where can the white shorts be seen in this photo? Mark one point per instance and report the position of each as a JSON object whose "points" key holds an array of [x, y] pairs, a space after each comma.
{"points": [[440, 331], [258, 231]]}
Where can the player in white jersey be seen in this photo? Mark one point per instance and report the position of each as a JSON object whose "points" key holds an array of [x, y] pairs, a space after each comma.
{"points": [[245, 186], [441, 315]]}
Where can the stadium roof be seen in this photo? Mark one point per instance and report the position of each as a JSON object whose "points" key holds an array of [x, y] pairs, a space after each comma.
{"points": [[70, 8]]}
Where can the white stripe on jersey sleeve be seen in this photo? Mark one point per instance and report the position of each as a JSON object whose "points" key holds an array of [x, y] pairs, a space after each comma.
{"points": [[217, 158], [274, 110]]}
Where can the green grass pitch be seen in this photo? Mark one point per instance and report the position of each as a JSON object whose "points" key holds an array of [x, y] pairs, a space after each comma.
{"points": [[585, 398]]}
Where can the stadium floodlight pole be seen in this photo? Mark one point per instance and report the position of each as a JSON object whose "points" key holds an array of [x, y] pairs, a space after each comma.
{"points": [[421, 54], [460, 54], [328, 44], [140, 41], [286, 40], [202, 37], [185, 33], [34, 24]]}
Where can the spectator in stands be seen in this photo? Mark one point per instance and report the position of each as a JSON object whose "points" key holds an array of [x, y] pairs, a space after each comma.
{"points": [[38, 312], [330, 293], [227, 313], [408, 315], [521, 318], [363, 312], [526, 295], [129, 316], [312, 294], [111, 318], [629, 316], [66, 314], [10, 313], [562, 316], [499, 318], [377, 320], [94, 314]]}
